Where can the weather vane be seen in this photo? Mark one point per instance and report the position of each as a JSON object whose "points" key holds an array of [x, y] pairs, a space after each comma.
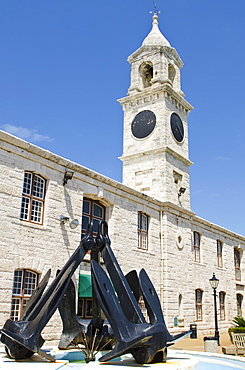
{"points": [[155, 7]]}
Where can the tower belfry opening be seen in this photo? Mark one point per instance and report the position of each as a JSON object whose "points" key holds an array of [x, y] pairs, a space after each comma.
{"points": [[171, 72], [146, 72]]}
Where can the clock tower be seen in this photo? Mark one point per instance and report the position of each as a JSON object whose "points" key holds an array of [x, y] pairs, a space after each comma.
{"points": [[155, 145]]}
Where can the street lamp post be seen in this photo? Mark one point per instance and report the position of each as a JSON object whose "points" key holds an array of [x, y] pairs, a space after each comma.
{"points": [[214, 282]]}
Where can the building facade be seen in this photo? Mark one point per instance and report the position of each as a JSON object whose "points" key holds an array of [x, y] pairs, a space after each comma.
{"points": [[150, 222]]}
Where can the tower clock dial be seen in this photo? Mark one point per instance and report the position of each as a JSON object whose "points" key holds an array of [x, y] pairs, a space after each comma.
{"points": [[143, 124], [177, 127]]}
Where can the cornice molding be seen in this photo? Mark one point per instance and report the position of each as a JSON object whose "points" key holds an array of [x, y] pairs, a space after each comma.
{"points": [[157, 151], [151, 92], [219, 229], [169, 52], [168, 207]]}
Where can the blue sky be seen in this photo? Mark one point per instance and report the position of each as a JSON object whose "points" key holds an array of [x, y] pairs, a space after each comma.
{"points": [[64, 64]]}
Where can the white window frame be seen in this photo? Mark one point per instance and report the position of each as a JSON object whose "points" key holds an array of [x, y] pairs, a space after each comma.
{"points": [[33, 196]]}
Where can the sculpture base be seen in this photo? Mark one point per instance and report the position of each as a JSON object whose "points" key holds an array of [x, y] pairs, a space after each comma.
{"points": [[74, 360], [174, 361]]}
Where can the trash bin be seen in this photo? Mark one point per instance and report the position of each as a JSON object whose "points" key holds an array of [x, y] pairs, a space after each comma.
{"points": [[210, 344], [193, 328]]}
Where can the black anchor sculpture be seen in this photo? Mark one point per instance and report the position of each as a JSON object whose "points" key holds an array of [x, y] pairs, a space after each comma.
{"points": [[126, 325], [146, 342], [76, 329], [131, 338], [13, 348], [28, 332], [95, 333], [23, 338], [73, 326]]}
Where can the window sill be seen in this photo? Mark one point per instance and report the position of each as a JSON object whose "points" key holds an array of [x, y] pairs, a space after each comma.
{"points": [[144, 251], [199, 263], [239, 283], [32, 225]]}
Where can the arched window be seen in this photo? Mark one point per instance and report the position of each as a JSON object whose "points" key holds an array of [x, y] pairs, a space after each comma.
{"points": [[25, 282], [143, 222], [197, 242], [219, 253], [237, 261], [92, 211], [222, 305], [239, 299], [33, 194], [146, 72], [199, 294]]}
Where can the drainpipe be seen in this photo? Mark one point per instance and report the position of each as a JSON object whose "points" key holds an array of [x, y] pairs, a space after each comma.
{"points": [[161, 261], [164, 272]]}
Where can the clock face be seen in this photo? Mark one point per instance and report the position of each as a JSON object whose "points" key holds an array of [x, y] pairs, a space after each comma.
{"points": [[177, 127], [143, 124]]}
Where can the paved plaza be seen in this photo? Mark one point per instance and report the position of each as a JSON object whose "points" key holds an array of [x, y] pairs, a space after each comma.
{"points": [[187, 354]]}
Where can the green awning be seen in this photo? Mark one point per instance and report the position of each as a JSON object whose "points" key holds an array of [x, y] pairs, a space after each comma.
{"points": [[85, 286]]}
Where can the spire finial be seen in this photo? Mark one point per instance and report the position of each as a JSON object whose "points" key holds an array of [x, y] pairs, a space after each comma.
{"points": [[155, 13], [155, 5], [155, 8]]}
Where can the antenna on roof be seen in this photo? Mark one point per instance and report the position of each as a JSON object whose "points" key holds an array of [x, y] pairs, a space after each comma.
{"points": [[155, 7]]}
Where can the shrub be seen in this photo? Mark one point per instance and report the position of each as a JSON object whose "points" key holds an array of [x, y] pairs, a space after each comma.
{"points": [[239, 321]]}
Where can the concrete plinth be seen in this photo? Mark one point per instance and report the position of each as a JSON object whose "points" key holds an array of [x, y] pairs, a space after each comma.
{"points": [[176, 360], [63, 358], [210, 345]]}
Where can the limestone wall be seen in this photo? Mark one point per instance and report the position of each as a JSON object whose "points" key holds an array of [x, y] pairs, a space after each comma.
{"points": [[169, 260]]}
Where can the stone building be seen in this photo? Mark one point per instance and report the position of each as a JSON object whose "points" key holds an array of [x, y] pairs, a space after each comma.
{"points": [[179, 250]]}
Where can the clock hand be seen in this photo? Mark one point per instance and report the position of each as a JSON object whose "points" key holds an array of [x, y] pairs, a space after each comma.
{"points": [[180, 131]]}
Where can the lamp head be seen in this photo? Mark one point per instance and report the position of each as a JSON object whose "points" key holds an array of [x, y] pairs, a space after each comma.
{"points": [[214, 282], [63, 219], [181, 191], [74, 223], [68, 175]]}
